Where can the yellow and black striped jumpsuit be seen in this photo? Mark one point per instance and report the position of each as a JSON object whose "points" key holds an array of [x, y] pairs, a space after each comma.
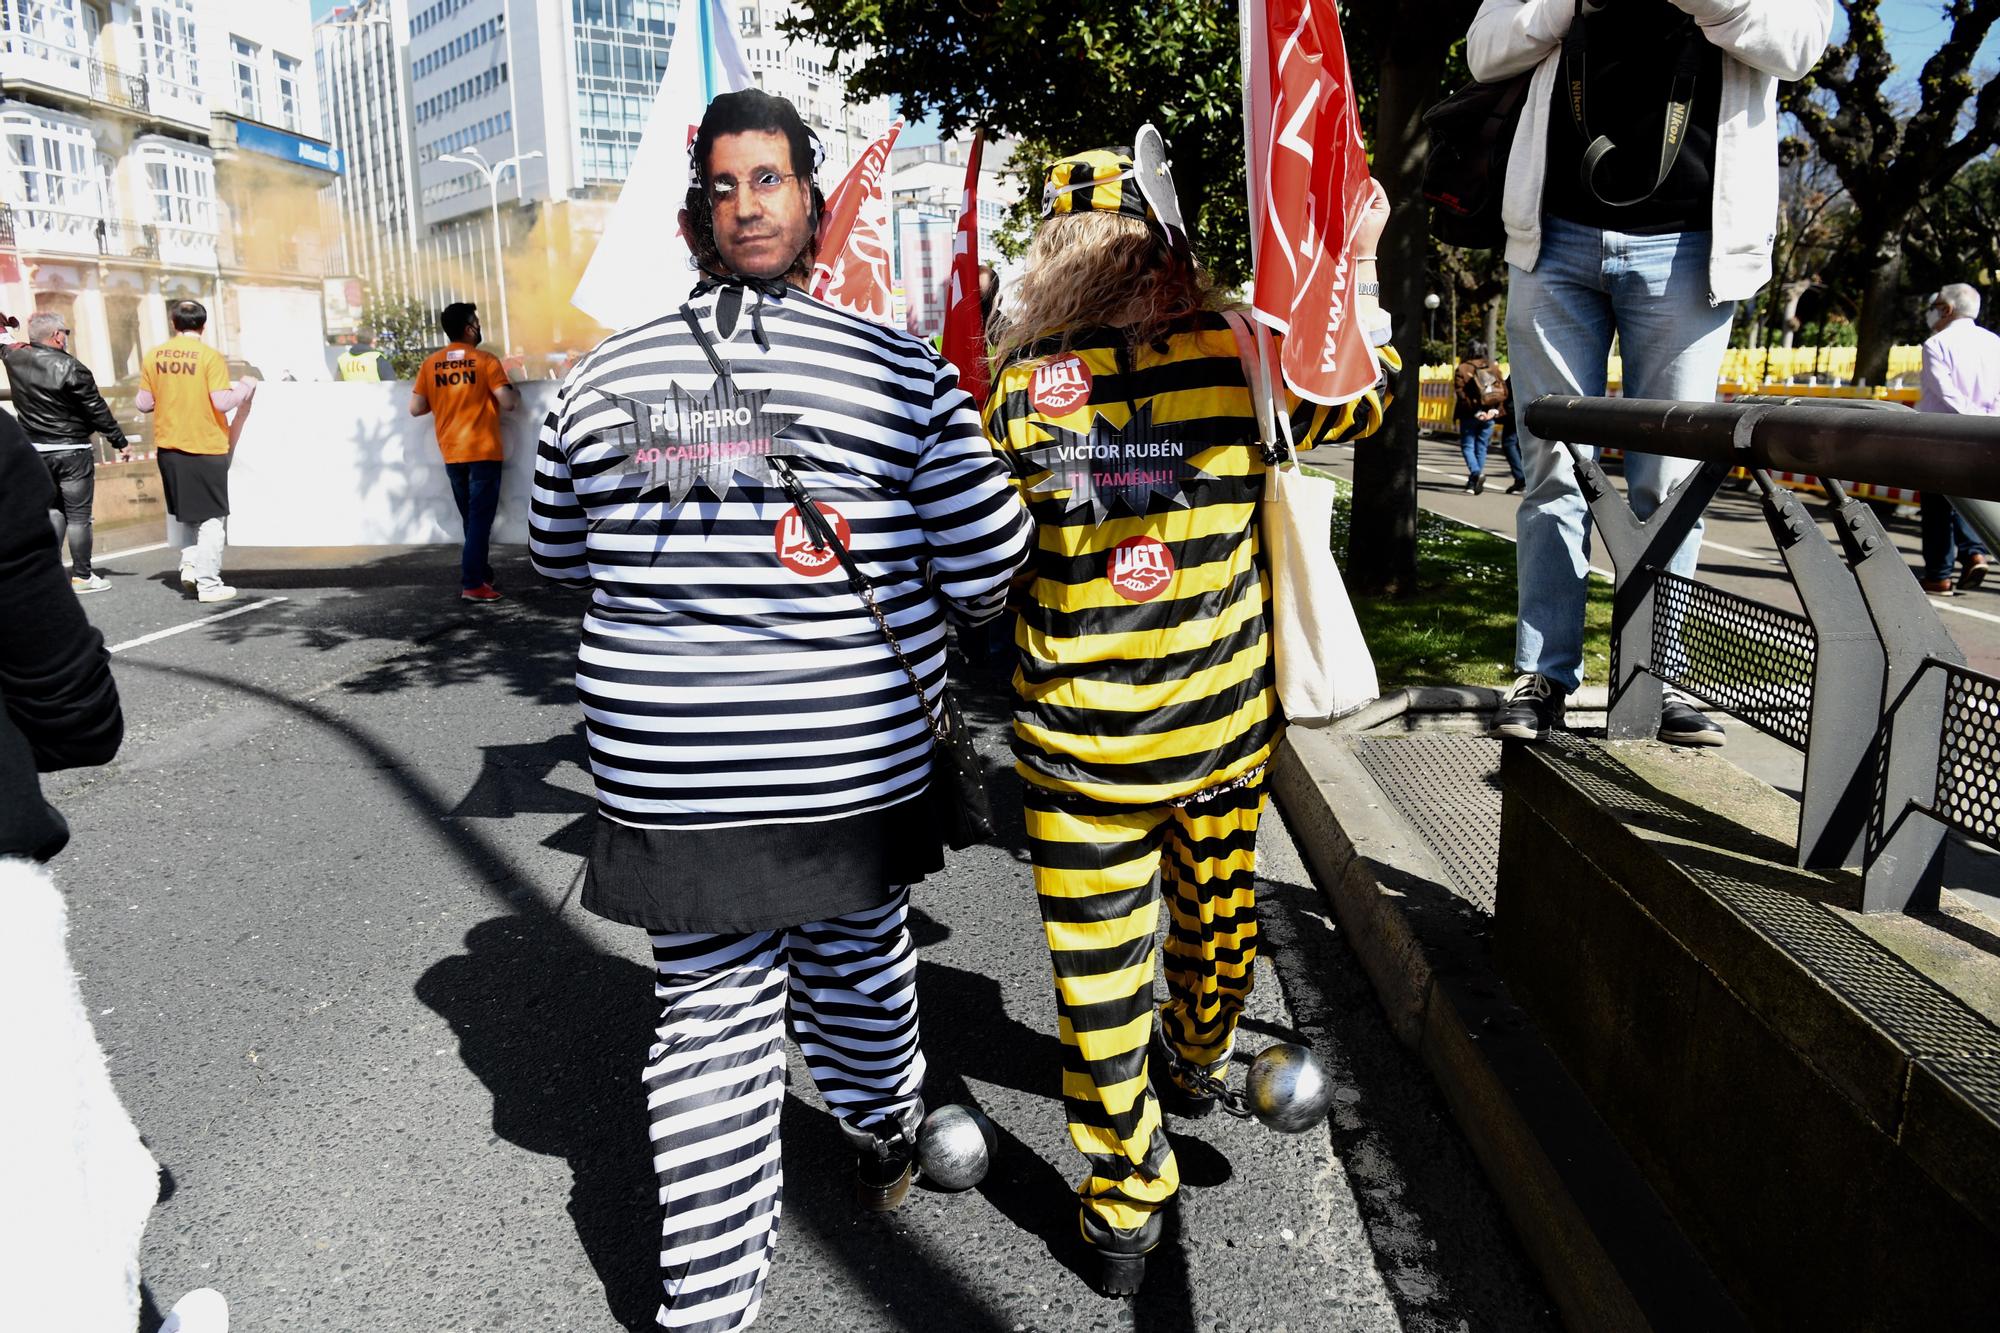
{"points": [[1145, 713]]}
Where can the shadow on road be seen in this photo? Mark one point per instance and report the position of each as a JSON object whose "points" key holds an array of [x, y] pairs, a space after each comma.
{"points": [[558, 1032]]}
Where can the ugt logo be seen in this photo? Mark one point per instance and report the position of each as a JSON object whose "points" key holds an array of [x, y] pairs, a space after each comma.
{"points": [[1060, 386], [1140, 568], [794, 542]]}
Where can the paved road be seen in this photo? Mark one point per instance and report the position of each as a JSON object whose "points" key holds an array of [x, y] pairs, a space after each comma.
{"points": [[324, 908], [1737, 551]]}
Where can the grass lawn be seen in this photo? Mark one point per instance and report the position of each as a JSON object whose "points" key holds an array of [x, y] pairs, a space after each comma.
{"points": [[1459, 628]]}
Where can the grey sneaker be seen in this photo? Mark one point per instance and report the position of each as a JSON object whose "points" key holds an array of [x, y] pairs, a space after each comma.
{"points": [[89, 583], [215, 592], [1681, 723], [1530, 709]]}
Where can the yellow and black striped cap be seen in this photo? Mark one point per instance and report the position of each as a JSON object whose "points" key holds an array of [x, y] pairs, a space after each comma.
{"points": [[1095, 180]]}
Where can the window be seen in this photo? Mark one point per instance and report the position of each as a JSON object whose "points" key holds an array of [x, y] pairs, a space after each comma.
{"points": [[288, 90], [171, 52], [45, 28], [243, 65], [182, 183], [51, 163]]}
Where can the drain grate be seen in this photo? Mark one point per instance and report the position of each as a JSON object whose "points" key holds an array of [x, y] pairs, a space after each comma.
{"points": [[1448, 787]]}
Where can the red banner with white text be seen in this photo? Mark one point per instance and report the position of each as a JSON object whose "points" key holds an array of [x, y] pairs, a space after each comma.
{"points": [[852, 270], [1308, 173]]}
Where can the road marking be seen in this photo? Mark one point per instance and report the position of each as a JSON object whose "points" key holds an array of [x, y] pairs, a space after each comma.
{"points": [[159, 634], [1965, 611], [135, 550]]}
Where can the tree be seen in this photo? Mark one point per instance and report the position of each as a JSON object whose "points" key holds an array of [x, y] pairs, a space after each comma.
{"points": [[1892, 160], [1415, 52], [1060, 75], [404, 328], [1957, 238]]}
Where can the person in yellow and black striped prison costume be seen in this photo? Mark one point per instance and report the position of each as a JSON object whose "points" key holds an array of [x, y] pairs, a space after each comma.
{"points": [[1145, 703]]}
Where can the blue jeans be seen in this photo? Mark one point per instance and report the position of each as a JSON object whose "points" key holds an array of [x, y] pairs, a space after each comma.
{"points": [[1947, 537], [1588, 285], [1473, 438], [1510, 446], [476, 489]]}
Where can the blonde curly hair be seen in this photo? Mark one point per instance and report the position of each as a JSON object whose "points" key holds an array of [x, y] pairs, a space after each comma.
{"points": [[1098, 271]]}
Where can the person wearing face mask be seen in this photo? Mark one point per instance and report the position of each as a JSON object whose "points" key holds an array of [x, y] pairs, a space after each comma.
{"points": [[1962, 375], [758, 720], [1641, 195]]}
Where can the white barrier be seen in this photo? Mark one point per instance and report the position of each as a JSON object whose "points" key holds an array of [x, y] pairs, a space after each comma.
{"points": [[347, 465]]}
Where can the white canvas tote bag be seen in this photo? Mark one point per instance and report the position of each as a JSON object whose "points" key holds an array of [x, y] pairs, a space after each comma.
{"points": [[1324, 667]]}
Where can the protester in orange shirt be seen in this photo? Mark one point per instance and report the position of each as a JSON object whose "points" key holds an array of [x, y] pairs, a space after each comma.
{"points": [[186, 386], [466, 390]]}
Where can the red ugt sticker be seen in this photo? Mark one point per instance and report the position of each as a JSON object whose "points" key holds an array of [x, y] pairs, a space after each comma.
{"points": [[1060, 386], [795, 548], [1140, 568]]}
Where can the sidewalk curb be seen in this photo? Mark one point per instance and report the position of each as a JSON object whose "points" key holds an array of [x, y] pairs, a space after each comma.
{"points": [[1606, 1248]]}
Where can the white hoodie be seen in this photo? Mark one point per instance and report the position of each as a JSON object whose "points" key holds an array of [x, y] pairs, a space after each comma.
{"points": [[1761, 41]]}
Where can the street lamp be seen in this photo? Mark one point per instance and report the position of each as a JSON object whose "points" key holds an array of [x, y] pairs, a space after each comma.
{"points": [[472, 157], [1431, 303]]}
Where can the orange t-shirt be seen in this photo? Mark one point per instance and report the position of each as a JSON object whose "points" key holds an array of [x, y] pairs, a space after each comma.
{"points": [[181, 373], [458, 381]]}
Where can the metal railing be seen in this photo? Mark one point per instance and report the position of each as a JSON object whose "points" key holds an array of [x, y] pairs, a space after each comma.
{"points": [[1901, 739], [114, 87], [70, 231]]}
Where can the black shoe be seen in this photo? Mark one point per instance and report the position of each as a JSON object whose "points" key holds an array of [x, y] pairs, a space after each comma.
{"points": [[1121, 1255], [882, 1180], [1681, 723], [1478, 485], [1175, 1097], [1520, 484], [1532, 707]]}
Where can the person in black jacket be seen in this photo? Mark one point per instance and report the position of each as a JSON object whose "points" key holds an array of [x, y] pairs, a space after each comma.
{"points": [[58, 703], [56, 399]]}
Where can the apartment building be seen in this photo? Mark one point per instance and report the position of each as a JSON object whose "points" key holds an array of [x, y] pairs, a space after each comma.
{"points": [[158, 150], [926, 192], [560, 92]]}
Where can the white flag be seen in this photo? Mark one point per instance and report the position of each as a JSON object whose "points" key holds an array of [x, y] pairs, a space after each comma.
{"points": [[641, 268]]}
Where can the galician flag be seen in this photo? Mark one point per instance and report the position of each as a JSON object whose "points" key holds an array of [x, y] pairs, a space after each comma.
{"points": [[852, 270], [964, 325], [1308, 174], [642, 267]]}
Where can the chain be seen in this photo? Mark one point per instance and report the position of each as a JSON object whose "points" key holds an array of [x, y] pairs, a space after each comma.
{"points": [[1205, 1083], [939, 729]]}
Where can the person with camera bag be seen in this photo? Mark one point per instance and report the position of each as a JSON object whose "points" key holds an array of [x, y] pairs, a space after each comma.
{"points": [[1640, 199], [773, 502]]}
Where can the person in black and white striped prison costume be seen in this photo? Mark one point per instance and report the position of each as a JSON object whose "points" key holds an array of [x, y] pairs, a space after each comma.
{"points": [[759, 754]]}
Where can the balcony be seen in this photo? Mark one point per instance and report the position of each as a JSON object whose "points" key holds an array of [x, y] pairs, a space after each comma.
{"points": [[113, 87], [52, 65], [41, 230]]}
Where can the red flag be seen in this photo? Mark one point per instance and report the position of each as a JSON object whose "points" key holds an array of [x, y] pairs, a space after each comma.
{"points": [[964, 324], [1308, 173], [852, 270]]}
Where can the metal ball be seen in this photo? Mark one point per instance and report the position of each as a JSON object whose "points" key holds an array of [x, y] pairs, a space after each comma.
{"points": [[1288, 1088], [955, 1146]]}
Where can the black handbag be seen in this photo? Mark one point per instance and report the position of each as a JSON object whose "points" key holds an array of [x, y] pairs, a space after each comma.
{"points": [[956, 798], [1465, 174]]}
